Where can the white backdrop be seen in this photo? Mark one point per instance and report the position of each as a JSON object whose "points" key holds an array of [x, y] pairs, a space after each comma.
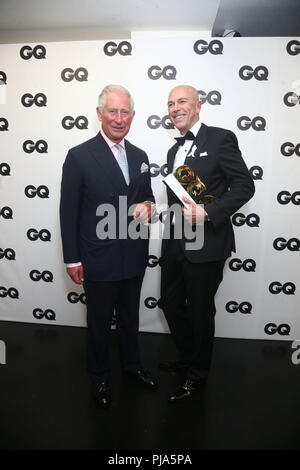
{"points": [[248, 85]]}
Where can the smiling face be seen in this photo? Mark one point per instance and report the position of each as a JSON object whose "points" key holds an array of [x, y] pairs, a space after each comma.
{"points": [[116, 116], [184, 108]]}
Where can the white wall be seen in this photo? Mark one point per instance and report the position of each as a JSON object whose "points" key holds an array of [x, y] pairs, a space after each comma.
{"points": [[216, 70]]}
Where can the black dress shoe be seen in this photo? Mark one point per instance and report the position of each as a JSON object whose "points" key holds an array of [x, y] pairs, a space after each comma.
{"points": [[186, 390], [173, 366], [142, 377], [102, 394]]}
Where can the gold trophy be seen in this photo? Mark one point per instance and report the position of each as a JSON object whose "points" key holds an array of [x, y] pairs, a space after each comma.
{"points": [[192, 184]]}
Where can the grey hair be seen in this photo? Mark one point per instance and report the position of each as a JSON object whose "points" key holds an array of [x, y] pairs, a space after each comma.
{"points": [[109, 89]]}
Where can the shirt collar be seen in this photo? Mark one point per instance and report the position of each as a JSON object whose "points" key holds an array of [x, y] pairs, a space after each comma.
{"points": [[194, 129], [109, 142]]}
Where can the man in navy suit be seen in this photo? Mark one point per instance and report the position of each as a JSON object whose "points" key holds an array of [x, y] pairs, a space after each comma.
{"points": [[99, 175], [191, 277]]}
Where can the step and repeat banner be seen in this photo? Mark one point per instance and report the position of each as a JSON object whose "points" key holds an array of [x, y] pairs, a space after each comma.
{"points": [[48, 96]]}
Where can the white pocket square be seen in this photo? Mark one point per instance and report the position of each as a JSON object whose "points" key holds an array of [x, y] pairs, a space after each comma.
{"points": [[144, 167], [203, 154]]}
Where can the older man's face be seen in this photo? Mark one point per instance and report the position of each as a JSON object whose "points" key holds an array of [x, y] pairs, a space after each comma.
{"points": [[116, 116]]}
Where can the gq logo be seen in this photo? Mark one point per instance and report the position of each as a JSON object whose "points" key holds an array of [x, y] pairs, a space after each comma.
{"points": [[214, 97], [81, 122], [74, 298], [156, 170], [3, 124], [293, 47], [38, 52], [168, 72], [288, 288], [243, 307], [215, 47], [10, 292], [111, 48], [80, 74], [239, 219], [4, 169], [280, 243], [44, 235], [284, 197], [150, 302], [283, 329], [153, 261], [40, 146], [39, 100], [48, 314], [8, 253], [288, 149], [247, 265], [258, 123], [256, 172], [259, 73], [154, 122], [6, 212], [36, 276], [3, 78], [41, 191], [291, 99]]}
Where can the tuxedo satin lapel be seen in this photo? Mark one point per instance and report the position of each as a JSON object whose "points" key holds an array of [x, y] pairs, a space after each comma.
{"points": [[104, 157], [200, 142]]}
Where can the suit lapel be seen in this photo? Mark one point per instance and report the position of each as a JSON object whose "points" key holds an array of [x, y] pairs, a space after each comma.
{"points": [[104, 157], [198, 145], [134, 163], [171, 157]]}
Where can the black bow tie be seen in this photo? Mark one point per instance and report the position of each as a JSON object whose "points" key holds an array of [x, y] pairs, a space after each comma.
{"points": [[188, 136]]}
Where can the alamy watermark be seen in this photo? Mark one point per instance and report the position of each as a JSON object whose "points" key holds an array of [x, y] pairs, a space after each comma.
{"points": [[296, 354], [166, 222], [2, 352]]}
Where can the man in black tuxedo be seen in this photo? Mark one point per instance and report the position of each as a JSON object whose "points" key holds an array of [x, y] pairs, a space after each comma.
{"points": [[191, 277], [108, 173]]}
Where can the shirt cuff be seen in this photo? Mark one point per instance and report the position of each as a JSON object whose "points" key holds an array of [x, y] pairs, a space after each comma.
{"points": [[73, 265]]}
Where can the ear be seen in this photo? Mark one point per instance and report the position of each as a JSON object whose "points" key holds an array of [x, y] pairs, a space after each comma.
{"points": [[99, 114], [199, 104]]}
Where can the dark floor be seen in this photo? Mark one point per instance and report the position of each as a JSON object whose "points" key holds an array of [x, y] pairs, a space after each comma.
{"points": [[251, 400]]}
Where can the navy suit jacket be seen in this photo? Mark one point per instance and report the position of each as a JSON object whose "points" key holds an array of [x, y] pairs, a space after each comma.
{"points": [[226, 177], [92, 176]]}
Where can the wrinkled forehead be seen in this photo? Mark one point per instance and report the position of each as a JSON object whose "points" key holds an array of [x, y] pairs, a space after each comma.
{"points": [[117, 99]]}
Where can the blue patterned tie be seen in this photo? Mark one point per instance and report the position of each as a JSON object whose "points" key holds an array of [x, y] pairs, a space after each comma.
{"points": [[122, 161]]}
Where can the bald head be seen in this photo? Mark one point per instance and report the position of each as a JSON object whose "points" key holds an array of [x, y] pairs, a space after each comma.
{"points": [[185, 90], [184, 107]]}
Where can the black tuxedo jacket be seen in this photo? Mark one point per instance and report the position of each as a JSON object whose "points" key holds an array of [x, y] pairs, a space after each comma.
{"points": [[218, 163], [92, 176]]}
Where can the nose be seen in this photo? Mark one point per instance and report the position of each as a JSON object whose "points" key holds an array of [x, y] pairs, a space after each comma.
{"points": [[118, 116], [176, 106]]}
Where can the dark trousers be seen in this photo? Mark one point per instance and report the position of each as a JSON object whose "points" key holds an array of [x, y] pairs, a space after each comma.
{"points": [[102, 299], [187, 299]]}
